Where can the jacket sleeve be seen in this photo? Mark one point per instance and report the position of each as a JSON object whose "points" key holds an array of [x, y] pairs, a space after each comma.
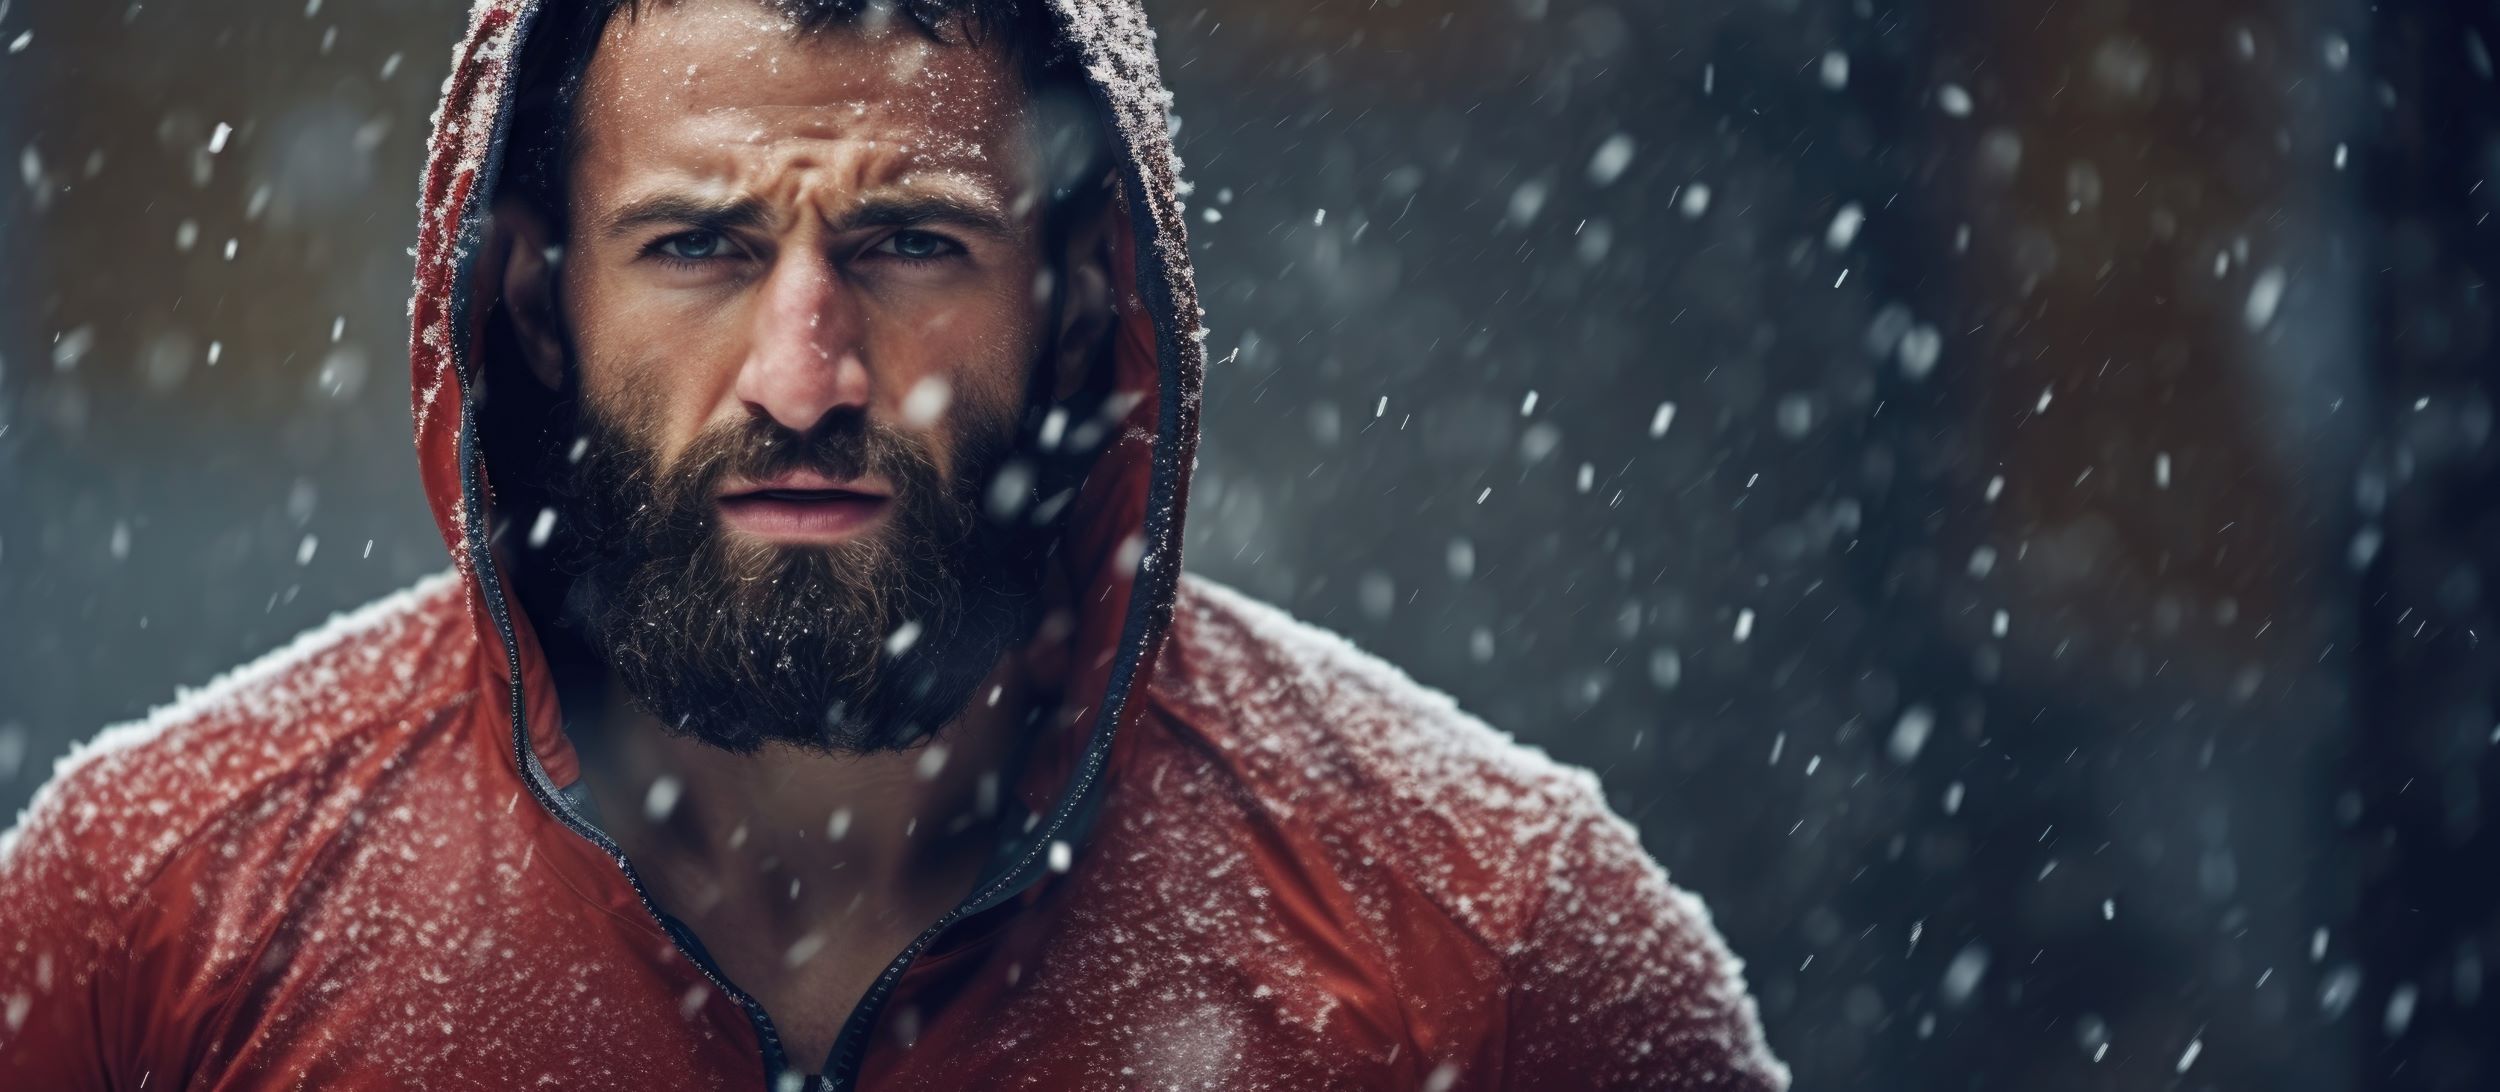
{"points": [[1622, 983], [60, 953]]}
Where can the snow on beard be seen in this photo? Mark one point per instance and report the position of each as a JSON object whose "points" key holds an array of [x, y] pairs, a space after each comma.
{"points": [[866, 645]]}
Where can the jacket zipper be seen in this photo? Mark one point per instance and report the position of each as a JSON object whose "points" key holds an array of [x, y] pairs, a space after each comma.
{"points": [[850, 1048]]}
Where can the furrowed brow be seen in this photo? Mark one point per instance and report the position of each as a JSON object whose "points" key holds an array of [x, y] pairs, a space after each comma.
{"points": [[678, 209]]}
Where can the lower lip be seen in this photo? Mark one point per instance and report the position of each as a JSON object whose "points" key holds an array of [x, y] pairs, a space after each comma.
{"points": [[802, 521]]}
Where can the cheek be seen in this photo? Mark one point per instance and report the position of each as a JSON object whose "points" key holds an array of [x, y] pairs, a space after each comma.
{"points": [[647, 367], [983, 350], [982, 342]]}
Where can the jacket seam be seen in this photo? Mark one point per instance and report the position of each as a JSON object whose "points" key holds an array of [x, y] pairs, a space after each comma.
{"points": [[1570, 844]]}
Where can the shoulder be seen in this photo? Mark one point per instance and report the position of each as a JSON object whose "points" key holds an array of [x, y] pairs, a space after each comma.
{"points": [[121, 806], [1624, 982], [1611, 970], [1336, 739]]}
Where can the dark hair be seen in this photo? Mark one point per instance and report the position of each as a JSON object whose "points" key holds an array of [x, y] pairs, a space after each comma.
{"points": [[558, 55]]}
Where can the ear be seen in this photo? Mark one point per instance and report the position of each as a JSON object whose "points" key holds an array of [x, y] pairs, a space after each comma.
{"points": [[1088, 308], [521, 247]]}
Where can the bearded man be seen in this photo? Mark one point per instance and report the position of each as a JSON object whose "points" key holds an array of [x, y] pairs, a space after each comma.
{"points": [[806, 391]]}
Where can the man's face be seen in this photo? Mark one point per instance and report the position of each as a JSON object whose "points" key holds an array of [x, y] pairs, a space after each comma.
{"points": [[801, 296], [776, 225]]}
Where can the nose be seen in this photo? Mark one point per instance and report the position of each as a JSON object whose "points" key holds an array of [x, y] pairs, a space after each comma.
{"points": [[805, 353]]}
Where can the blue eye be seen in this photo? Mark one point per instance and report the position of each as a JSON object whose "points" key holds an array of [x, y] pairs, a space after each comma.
{"points": [[692, 246], [918, 246]]}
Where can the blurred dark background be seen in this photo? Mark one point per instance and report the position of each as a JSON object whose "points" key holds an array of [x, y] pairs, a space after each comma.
{"points": [[2003, 493]]}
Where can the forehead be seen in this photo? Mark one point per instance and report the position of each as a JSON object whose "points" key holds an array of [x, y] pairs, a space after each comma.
{"points": [[705, 85]]}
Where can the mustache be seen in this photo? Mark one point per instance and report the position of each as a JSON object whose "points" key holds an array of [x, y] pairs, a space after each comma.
{"points": [[846, 444]]}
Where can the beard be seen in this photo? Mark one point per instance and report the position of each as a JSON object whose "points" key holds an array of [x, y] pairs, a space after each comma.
{"points": [[868, 645]]}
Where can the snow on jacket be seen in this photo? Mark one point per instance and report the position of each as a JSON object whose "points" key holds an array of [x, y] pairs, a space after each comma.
{"points": [[1258, 859]]}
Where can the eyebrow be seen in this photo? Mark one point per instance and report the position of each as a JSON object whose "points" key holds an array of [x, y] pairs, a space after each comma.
{"points": [[671, 208], [877, 211]]}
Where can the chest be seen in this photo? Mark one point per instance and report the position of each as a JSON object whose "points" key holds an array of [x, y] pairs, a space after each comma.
{"points": [[426, 964], [809, 986], [419, 965]]}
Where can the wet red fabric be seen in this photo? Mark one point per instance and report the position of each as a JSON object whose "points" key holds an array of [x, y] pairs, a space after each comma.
{"points": [[329, 868]]}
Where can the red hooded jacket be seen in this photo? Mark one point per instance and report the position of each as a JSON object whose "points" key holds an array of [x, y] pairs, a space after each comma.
{"points": [[1258, 858]]}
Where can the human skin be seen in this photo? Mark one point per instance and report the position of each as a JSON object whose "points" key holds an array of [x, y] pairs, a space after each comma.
{"points": [[770, 223]]}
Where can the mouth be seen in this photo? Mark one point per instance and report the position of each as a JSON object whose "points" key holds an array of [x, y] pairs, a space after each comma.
{"points": [[803, 507]]}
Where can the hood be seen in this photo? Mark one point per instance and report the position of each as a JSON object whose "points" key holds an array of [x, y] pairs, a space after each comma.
{"points": [[1122, 544]]}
